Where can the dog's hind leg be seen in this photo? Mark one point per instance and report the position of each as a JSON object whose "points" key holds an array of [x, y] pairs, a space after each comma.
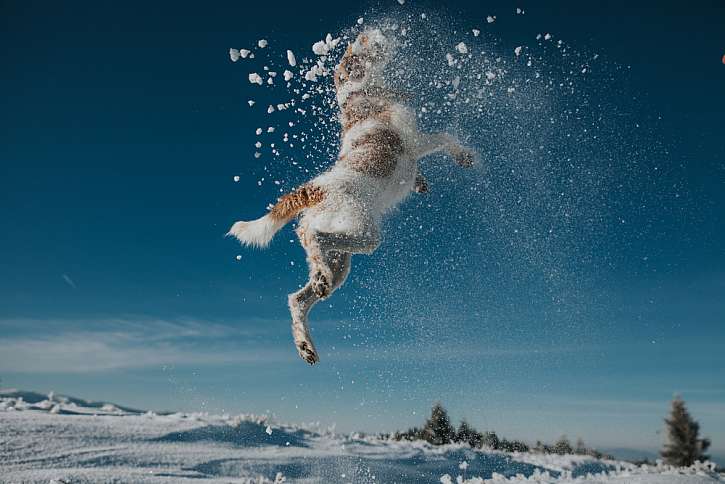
{"points": [[329, 258], [302, 301], [318, 262], [300, 304], [340, 263], [364, 243]]}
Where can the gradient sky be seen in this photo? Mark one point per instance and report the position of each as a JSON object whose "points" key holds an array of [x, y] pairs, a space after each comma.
{"points": [[123, 123]]}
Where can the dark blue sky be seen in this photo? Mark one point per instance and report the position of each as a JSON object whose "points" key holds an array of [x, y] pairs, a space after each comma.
{"points": [[121, 128]]}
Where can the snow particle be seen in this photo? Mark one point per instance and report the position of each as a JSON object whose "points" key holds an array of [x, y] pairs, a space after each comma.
{"points": [[360, 21], [268, 430], [291, 58], [236, 178], [491, 19], [239, 257], [319, 47], [262, 43], [234, 54], [255, 78], [311, 75], [462, 48], [476, 32]]}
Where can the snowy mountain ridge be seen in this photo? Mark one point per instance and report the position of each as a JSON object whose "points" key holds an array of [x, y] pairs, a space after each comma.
{"points": [[69, 440]]}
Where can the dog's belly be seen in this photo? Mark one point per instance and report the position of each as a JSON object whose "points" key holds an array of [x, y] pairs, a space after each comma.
{"points": [[355, 202], [398, 186]]}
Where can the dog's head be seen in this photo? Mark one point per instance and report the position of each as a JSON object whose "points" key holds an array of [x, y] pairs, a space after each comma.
{"points": [[363, 62]]}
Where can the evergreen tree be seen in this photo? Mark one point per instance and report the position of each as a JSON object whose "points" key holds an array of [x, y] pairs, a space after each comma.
{"points": [[683, 446], [438, 429], [464, 432], [491, 440], [562, 446], [468, 434]]}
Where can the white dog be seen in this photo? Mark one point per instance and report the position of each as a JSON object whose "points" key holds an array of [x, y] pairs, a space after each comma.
{"points": [[375, 170]]}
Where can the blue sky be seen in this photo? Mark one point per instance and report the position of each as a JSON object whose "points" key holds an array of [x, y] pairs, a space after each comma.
{"points": [[122, 126]]}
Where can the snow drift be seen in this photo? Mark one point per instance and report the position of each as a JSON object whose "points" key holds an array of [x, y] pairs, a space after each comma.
{"points": [[60, 439]]}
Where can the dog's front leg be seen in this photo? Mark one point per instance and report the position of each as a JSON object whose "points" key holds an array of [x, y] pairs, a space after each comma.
{"points": [[429, 143]]}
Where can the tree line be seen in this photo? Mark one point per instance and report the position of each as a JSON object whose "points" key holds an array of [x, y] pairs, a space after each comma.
{"points": [[438, 430], [683, 447]]}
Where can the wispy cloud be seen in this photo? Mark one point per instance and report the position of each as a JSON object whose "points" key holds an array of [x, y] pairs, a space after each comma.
{"points": [[54, 346], [69, 281]]}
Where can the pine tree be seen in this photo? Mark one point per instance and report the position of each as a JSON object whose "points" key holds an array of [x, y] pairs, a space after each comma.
{"points": [[562, 446], [468, 434], [438, 429], [464, 432], [491, 440], [683, 446]]}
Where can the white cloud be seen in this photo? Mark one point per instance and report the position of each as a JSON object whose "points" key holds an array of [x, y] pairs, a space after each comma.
{"points": [[53, 346]]}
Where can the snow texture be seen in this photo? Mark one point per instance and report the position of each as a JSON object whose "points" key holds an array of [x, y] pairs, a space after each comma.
{"points": [[59, 439]]}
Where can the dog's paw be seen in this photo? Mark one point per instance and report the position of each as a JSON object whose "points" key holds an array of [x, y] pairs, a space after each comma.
{"points": [[321, 284], [464, 157], [307, 352]]}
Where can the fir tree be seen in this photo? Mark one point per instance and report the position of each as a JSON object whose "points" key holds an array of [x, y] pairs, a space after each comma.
{"points": [[562, 446], [464, 432], [491, 440], [468, 434], [438, 429], [683, 446]]}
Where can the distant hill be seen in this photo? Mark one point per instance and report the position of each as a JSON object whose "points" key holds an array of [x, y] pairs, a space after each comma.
{"points": [[36, 397], [632, 455]]}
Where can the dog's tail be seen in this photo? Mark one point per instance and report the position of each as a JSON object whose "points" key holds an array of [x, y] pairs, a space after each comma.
{"points": [[261, 231]]}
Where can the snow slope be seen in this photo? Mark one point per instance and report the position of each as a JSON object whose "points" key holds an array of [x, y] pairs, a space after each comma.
{"points": [[61, 439]]}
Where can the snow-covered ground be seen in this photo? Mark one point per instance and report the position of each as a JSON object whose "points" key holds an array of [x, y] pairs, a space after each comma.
{"points": [[63, 440]]}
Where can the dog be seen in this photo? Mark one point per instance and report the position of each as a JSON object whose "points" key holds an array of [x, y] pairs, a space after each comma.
{"points": [[377, 167]]}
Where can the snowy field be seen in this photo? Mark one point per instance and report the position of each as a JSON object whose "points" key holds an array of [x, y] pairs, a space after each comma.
{"points": [[66, 440]]}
